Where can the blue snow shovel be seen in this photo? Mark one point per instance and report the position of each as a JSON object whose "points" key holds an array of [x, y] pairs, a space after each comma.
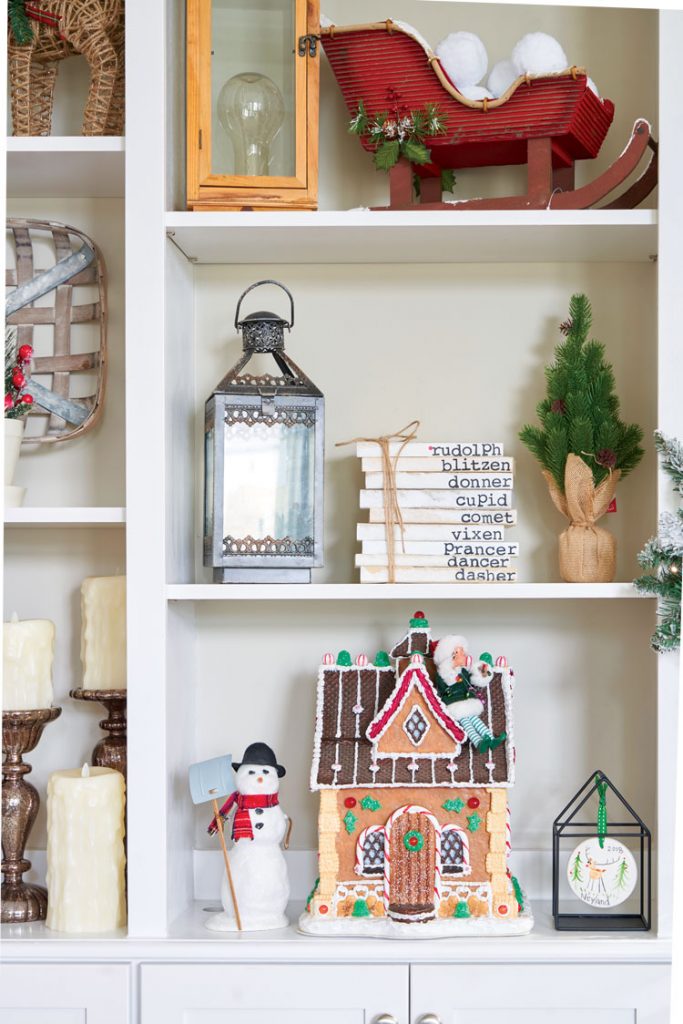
{"points": [[210, 780]]}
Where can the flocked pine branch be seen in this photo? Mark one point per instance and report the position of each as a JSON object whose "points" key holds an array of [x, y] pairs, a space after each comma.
{"points": [[580, 413], [662, 555]]}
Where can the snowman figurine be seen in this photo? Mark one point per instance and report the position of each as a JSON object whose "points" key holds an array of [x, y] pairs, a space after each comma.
{"points": [[257, 864]]}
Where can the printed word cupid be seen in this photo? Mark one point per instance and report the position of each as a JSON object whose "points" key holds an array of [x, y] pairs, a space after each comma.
{"points": [[485, 449]]}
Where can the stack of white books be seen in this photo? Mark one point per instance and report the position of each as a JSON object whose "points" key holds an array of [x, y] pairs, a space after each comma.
{"points": [[456, 502]]}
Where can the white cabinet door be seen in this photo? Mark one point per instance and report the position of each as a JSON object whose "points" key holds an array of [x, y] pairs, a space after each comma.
{"points": [[41, 993], [540, 994], [272, 994]]}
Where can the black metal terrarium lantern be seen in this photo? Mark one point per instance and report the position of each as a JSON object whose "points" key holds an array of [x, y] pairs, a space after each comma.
{"points": [[263, 491], [601, 862]]}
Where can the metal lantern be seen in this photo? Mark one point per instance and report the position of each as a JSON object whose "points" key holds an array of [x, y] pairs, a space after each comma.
{"points": [[263, 444], [623, 841]]}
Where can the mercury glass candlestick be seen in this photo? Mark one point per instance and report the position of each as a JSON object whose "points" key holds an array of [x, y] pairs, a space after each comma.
{"points": [[21, 732], [110, 752]]}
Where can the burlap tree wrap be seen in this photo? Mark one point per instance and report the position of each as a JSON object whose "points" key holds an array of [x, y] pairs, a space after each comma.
{"points": [[587, 552]]}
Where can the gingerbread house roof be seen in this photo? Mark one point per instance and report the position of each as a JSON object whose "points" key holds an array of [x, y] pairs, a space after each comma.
{"points": [[353, 698], [414, 677]]}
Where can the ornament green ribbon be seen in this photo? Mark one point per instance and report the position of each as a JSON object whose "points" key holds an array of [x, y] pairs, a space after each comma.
{"points": [[602, 810]]}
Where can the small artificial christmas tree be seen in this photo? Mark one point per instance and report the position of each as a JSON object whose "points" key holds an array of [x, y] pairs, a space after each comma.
{"points": [[583, 447], [580, 414], [663, 555]]}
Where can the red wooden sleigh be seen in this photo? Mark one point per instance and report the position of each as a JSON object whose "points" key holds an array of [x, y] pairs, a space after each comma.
{"points": [[546, 122]]}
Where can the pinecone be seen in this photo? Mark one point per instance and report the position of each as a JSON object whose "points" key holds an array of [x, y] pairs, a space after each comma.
{"points": [[559, 406], [566, 326], [607, 458]]}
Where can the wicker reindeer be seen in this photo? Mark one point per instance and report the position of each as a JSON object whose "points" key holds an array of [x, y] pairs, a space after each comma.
{"points": [[43, 32]]}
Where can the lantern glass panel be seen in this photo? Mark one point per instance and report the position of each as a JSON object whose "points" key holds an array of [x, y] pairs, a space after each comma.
{"points": [[269, 481], [208, 481], [253, 88]]}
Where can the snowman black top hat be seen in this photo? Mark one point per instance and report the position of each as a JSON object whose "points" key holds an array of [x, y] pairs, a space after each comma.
{"points": [[260, 754]]}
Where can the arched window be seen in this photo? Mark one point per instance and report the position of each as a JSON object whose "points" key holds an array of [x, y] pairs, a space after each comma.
{"points": [[370, 851], [455, 851]]}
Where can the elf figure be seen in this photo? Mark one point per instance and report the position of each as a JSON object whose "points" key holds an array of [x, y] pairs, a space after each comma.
{"points": [[457, 685], [257, 864]]}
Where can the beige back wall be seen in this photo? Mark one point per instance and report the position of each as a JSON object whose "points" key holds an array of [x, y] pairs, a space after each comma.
{"points": [[462, 349]]}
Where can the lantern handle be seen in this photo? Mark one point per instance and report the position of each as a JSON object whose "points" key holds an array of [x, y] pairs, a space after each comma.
{"points": [[257, 285]]}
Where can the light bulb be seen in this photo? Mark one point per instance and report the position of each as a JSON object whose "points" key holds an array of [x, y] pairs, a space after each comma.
{"points": [[251, 110]]}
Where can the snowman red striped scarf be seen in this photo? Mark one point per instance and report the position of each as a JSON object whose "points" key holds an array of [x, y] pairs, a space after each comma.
{"points": [[241, 826]]}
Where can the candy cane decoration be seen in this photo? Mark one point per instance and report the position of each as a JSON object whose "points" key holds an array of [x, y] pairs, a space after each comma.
{"points": [[362, 660], [501, 662], [508, 834], [328, 659], [468, 661], [412, 809]]}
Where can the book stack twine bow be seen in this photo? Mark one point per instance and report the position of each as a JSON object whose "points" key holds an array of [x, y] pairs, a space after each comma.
{"points": [[392, 510]]}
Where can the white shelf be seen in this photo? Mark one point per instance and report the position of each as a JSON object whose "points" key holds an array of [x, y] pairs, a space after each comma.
{"points": [[364, 236], [400, 591], [65, 166], [64, 517], [188, 939]]}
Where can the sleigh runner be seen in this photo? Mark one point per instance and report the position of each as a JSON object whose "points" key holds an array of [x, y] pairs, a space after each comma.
{"points": [[546, 122]]}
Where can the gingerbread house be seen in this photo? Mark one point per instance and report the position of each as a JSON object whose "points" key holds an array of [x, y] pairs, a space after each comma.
{"points": [[414, 825]]}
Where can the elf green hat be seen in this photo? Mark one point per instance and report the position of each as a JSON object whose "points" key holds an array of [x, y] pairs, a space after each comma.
{"points": [[487, 658]]}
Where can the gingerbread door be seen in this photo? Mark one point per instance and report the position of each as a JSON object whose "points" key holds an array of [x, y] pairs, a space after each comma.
{"points": [[412, 850]]}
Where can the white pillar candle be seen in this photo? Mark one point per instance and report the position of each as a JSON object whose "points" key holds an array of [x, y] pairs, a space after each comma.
{"points": [[103, 632], [27, 652], [85, 853]]}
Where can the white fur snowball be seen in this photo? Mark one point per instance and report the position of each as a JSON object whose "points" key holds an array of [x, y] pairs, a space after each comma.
{"points": [[502, 76], [538, 54], [475, 92], [464, 58]]}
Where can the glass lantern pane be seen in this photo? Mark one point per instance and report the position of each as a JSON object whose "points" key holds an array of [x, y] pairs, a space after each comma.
{"points": [[253, 88], [208, 482], [269, 488]]}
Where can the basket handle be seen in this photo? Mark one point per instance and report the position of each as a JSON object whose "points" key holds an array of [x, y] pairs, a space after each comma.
{"points": [[257, 285]]}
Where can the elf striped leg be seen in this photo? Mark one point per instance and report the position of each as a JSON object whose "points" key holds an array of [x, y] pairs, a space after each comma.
{"points": [[475, 729]]}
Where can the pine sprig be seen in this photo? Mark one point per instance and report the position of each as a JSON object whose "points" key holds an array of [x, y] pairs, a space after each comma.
{"points": [[19, 22], [662, 555], [400, 132], [580, 414]]}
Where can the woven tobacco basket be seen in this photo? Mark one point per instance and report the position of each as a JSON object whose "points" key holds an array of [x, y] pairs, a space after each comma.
{"points": [[77, 264]]}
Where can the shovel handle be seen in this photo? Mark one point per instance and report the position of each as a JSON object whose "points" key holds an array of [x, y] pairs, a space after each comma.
{"points": [[219, 823]]}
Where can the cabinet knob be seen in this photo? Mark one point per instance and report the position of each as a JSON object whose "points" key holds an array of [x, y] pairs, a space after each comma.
{"points": [[385, 1018], [429, 1018]]}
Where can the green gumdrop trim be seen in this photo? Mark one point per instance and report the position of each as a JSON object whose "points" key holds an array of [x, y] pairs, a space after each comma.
{"points": [[344, 658], [360, 909], [518, 892], [462, 910], [350, 821], [381, 660], [368, 803], [419, 623]]}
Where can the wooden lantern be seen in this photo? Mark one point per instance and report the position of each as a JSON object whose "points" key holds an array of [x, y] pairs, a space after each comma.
{"points": [[252, 104]]}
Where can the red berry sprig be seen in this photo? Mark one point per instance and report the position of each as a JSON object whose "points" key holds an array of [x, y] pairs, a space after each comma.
{"points": [[16, 402]]}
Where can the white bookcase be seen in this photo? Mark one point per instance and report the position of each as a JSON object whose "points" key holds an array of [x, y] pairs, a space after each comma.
{"points": [[449, 317]]}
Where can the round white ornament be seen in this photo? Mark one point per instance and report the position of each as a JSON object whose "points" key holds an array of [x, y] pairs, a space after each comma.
{"points": [[602, 877]]}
